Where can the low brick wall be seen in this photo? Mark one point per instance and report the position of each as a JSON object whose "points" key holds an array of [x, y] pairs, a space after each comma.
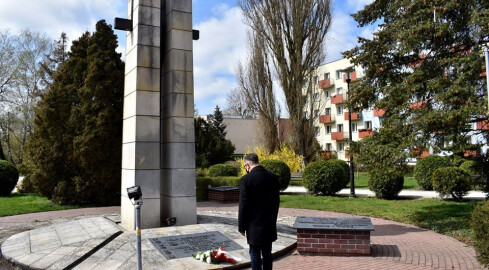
{"points": [[335, 242], [223, 194]]}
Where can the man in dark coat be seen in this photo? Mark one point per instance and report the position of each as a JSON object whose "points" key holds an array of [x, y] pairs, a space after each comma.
{"points": [[259, 201]]}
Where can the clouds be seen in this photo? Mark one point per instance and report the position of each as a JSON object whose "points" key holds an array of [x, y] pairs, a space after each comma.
{"points": [[221, 46], [55, 16]]}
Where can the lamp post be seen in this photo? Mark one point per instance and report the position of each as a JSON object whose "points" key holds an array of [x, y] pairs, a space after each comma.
{"points": [[352, 179], [134, 193], [486, 50]]}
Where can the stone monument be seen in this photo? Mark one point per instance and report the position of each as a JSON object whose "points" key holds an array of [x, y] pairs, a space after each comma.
{"points": [[158, 148]]}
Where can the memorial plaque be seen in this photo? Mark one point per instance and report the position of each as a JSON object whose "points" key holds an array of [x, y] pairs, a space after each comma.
{"points": [[346, 223], [181, 246]]}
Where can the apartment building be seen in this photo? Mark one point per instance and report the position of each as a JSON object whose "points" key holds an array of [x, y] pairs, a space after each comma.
{"points": [[330, 94]]}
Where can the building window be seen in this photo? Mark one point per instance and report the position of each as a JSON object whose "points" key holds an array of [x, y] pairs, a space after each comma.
{"points": [[368, 124], [339, 90], [339, 127], [327, 94], [328, 111], [353, 127], [316, 113], [328, 147], [317, 131], [340, 110], [326, 76], [315, 79], [341, 146], [339, 74], [328, 129]]}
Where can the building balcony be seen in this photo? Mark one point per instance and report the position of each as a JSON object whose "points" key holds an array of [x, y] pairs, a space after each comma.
{"points": [[327, 118], [338, 136], [354, 116], [483, 125], [353, 77], [326, 83], [326, 154], [379, 112], [362, 133], [339, 98]]}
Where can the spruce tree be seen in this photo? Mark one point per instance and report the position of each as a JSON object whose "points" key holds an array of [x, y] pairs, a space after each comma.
{"points": [[75, 151], [424, 67]]}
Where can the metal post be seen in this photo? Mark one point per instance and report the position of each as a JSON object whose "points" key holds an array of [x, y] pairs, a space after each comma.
{"points": [[138, 233], [350, 139], [486, 49]]}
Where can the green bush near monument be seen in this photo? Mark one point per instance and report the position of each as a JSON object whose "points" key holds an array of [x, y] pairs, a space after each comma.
{"points": [[386, 185], [426, 166], [202, 183], [281, 169], [324, 178], [480, 226], [220, 170], [451, 181], [74, 153], [9, 175]]}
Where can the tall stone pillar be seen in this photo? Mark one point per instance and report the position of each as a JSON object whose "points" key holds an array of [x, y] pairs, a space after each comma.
{"points": [[177, 114], [158, 151]]}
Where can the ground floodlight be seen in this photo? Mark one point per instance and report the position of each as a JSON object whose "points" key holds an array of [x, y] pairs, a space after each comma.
{"points": [[134, 193]]}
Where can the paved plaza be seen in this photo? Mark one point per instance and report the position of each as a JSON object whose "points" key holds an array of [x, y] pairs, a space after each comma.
{"points": [[394, 245]]}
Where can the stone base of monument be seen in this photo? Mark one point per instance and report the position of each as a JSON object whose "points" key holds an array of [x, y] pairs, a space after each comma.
{"points": [[333, 236], [223, 194]]}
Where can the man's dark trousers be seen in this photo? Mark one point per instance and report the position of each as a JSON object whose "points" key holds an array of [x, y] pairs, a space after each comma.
{"points": [[265, 251]]}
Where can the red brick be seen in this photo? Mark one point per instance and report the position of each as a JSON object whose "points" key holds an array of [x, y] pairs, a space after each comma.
{"points": [[333, 236], [300, 231], [362, 237], [358, 242], [348, 246], [302, 240], [318, 245], [347, 237], [362, 247], [341, 241], [325, 250], [333, 246], [303, 235], [315, 250], [318, 236], [326, 240], [303, 245], [310, 231], [340, 251], [311, 240], [340, 232]]}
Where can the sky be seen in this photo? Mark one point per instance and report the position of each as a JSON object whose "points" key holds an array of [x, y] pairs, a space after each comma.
{"points": [[222, 43]]}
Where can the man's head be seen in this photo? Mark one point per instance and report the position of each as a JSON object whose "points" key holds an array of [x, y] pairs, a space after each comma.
{"points": [[250, 161]]}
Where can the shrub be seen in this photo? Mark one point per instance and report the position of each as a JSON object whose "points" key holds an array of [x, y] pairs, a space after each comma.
{"points": [[219, 170], [451, 181], [9, 175], [324, 178], [26, 186], [344, 166], [425, 167], [279, 168], [385, 185], [470, 167], [480, 226]]}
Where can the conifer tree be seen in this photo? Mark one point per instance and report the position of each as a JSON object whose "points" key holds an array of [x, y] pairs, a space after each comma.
{"points": [[424, 67], [74, 154]]}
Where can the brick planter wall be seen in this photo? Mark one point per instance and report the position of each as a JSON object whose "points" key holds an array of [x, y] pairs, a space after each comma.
{"points": [[223, 194], [333, 242]]}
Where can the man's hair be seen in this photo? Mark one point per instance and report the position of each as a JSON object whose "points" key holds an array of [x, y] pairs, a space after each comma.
{"points": [[251, 158]]}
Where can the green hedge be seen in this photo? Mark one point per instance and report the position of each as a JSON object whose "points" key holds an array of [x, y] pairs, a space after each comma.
{"points": [[222, 170], [202, 183], [385, 185], [480, 226], [426, 166], [451, 181], [281, 169], [9, 175], [324, 178]]}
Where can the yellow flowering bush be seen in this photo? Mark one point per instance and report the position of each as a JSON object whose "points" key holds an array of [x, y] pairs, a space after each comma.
{"points": [[285, 154]]}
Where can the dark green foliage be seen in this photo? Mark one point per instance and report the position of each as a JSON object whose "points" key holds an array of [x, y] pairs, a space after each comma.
{"points": [[211, 145], [344, 166], [324, 178], [424, 72], [457, 161], [202, 183], [219, 170], [480, 226], [9, 175], [451, 181], [426, 166], [470, 167], [74, 154], [385, 185], [281, 169], [26, 186]]}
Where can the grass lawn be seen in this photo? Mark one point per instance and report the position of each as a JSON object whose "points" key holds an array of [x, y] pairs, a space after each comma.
{"points": [[17, 204], [445, 217]]}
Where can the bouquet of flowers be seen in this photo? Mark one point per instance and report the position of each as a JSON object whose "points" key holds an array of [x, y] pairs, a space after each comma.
{"points": [[215, 256]]}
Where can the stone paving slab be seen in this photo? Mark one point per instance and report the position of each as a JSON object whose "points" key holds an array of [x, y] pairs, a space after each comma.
{"points": [[60, 245]]}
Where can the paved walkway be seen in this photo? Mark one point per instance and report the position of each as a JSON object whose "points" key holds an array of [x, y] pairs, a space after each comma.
{"points": [[395, 245]]}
